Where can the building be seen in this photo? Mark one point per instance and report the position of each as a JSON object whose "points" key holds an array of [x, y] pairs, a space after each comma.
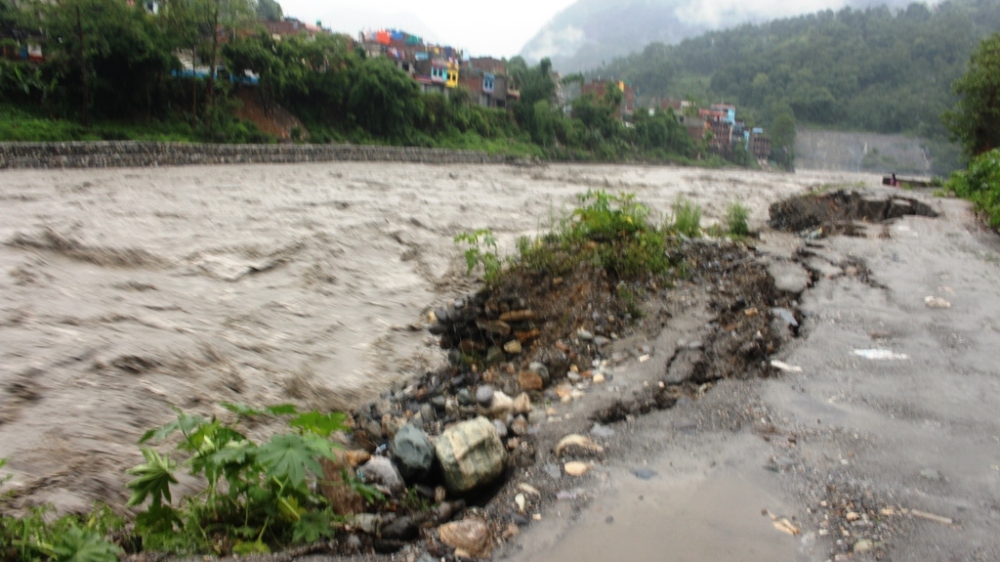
{"points": [[435, 67], [599, 87], [291, 26], [760, 144]]}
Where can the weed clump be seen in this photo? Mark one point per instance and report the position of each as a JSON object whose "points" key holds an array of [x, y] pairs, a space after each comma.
{"points": [[687, 218], [736, 220]]}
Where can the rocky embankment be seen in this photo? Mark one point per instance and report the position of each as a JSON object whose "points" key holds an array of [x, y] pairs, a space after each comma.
{"points": [[138, 154]]}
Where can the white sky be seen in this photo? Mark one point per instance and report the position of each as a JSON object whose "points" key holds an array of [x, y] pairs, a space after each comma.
{"points": [[498, 28]]}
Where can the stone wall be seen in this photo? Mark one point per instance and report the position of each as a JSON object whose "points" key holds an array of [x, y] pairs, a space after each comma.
{"points": [[861, 152], [113, 154]]}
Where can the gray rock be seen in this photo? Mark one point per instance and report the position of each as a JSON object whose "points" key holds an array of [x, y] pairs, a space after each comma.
{"points": [[501, 428], [427, 412], [401, 529], [786, 315], [584, 335], [352, 543], [552, 470], [484, 395], [471, 454], [573, 377], [381, 471], [439, 402], [519, 426], [602, 431], [556, 361], [367, 522], [541, 370], [413, 452], [789, 277], [426, 558], [465, 397], [601, 341]]}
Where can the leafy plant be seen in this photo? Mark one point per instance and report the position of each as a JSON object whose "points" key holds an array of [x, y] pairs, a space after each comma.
{"points": [[736, 219], [257, 495], [474, 255]]}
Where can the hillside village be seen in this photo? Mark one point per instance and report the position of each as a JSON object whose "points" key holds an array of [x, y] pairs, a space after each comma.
{"points": [[445, 70], [442, 69]]}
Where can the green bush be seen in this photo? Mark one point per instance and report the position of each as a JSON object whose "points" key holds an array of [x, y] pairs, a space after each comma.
{"points": [[980, 184]]}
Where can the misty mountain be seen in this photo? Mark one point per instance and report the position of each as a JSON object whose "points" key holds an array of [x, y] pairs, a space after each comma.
{"points": [[592, 32]]}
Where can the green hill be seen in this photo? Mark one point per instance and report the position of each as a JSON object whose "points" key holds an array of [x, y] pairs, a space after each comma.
{"points": [[876, 70]]}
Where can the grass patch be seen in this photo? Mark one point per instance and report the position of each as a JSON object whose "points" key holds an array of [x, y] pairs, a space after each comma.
{"points": [[686, 218], [614, 233], [736, 220]]}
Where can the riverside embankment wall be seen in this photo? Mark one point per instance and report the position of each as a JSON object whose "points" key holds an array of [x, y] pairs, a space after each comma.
{"points": [[115, 154]]}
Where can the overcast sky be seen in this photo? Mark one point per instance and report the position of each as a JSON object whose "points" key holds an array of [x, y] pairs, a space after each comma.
{"points": [[499, 28]]}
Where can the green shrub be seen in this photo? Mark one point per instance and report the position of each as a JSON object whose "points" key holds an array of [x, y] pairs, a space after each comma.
{"points": [[736, 219], [980, 184]]}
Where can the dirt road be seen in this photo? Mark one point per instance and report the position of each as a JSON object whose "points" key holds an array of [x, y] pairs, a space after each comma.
{"points": [[129, 291], [886, 446]]}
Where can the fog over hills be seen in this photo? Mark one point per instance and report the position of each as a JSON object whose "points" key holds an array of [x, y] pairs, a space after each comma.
{"points": [[591, 32]]}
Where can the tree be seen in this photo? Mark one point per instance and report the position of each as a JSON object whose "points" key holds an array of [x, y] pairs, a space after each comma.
{"points": [[384, 100], [783, 138], [975, 119], [269, 10], [105, 54]]}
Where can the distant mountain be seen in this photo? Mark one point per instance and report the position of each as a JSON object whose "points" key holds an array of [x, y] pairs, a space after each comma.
{"points": [[592, 32]]}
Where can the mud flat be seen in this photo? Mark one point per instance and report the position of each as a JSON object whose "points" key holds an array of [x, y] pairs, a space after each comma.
{"points": [[129, 291]]}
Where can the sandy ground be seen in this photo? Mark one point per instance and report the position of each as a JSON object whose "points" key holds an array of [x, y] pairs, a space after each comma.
{"points": [[129, 291]]}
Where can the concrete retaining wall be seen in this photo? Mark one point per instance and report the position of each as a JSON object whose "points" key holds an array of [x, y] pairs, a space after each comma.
{"points": [[114, 154]]}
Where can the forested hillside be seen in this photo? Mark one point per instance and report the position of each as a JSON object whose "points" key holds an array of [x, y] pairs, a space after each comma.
{"points": [[874, 70]]}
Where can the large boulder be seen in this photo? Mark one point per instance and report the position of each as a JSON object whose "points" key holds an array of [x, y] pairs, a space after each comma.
{"points": [[471, 454], [413, 452]]}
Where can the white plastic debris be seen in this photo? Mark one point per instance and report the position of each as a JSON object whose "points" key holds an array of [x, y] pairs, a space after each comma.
{"points": [[880, 354]]}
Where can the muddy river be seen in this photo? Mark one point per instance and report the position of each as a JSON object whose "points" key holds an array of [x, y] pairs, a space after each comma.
{"points": [[127, 292]]}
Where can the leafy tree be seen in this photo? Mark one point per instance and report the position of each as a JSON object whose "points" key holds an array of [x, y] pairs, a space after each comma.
{"points": [[975, 119], [105, 54], [384, 100], [269, 10], [783, 138]]}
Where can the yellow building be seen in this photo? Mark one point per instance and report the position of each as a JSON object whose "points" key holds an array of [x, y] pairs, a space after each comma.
{"points": [[452, 75]]}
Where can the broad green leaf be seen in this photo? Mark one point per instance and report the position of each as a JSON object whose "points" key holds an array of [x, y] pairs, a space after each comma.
{"points": [[154, 479], [287, 458]]}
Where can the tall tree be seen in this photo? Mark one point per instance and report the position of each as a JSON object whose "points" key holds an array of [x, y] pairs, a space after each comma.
{"points": [[269, 10], [975, 119], [108, 56]]}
